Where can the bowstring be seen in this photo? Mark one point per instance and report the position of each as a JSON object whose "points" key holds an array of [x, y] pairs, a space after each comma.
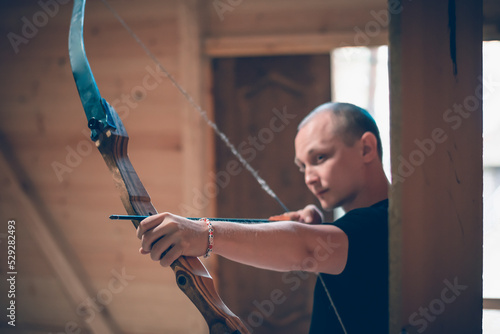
{"points": [[331, 301], [200, 111], [219, 133]]}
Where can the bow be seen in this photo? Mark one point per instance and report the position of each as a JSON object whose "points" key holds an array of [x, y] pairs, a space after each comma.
{"points": [[110, 136]]}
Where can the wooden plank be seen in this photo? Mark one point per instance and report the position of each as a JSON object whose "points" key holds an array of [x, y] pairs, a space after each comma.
{"points": [[290, 44], [287, 16], [491, 304], [195, 131]]}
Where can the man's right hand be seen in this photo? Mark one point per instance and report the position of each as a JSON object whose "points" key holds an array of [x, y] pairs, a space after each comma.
{"points": [[309, 215]]}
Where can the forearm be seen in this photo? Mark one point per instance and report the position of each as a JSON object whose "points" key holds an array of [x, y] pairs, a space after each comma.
{"points": [[281, 246]]}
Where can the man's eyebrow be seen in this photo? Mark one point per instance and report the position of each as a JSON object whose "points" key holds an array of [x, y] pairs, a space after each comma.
{"points": [[309, 153]]}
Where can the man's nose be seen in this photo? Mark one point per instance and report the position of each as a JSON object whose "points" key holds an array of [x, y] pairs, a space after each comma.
{"points": [[310, 176]]}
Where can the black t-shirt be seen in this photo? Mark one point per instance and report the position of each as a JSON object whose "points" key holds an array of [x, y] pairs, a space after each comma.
{"points": [[360, 292]]}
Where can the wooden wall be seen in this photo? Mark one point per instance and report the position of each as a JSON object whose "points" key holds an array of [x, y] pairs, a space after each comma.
{"points": [[55, 185], [43, 127]]}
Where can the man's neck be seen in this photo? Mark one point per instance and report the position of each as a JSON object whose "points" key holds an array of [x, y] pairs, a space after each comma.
{"points": [[376, 190]]}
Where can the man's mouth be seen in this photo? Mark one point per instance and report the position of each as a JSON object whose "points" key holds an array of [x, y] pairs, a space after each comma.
{"points": [[321, 192]]}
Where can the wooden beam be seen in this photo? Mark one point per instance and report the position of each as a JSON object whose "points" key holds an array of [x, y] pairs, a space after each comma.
{"points": [[436, 153], [196, 134], [289, 44], [491, 304], [49, 244]]}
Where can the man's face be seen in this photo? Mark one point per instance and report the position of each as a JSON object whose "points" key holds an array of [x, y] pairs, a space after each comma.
{"points": [[333, 171]]}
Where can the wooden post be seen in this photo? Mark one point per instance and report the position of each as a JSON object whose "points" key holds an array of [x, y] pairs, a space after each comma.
{"points": [[436, 135]]}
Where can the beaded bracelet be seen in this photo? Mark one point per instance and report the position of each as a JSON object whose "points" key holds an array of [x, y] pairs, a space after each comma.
{"points": [[210, 237]]}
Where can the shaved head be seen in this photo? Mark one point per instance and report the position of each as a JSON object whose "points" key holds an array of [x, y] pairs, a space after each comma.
{"points": [[351, 122]]}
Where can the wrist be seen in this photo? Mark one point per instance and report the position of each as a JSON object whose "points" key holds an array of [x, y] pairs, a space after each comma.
{"points": [[210, 230]]}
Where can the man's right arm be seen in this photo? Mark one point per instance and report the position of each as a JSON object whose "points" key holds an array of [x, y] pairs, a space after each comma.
{"points": [[283, 246]]}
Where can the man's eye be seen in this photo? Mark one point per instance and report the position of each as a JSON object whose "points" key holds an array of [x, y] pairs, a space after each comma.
{"points": [[320, 158]]}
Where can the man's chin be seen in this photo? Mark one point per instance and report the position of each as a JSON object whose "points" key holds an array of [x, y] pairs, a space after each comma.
{"points": [[327, 206], [332, 203]]}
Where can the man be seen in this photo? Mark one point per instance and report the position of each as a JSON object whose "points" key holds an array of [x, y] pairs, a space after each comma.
{"points": [[339, 151]]}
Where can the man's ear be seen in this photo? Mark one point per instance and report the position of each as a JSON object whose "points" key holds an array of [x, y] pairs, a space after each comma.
{"points": [[369, 142]]}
